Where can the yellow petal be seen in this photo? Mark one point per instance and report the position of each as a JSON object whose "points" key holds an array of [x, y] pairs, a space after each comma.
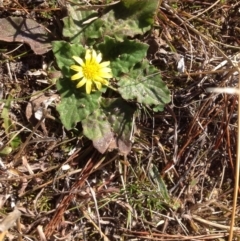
{"points": [[88, 86], [88, 56], [94, 55], [79, 75], [81, 83], [105, 75], [104, 64], [98, 85], [76, 68], [101, 80], [99, 58], [106, 70], [78, 60]]}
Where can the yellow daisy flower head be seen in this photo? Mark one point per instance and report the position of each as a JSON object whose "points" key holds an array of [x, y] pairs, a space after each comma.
{"points": [[92, 71]]}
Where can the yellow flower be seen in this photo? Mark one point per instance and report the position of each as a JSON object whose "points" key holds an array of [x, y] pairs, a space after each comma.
{"points": [[91, 72]]}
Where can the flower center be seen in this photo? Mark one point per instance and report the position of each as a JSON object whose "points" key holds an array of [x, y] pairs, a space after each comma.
{"points": [[90, 70]]}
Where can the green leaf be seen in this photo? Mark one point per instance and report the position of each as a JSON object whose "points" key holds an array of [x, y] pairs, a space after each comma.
{"points": [[156, 177], [119, 114], [120, 27], [96, 125], [144, 85], [63, 52], [123, 55], [142, 11], [97, 128], [81, 26], [15, 142], [111, 125], [6, 151], [5, 114], [125, 19], [75, 105]]}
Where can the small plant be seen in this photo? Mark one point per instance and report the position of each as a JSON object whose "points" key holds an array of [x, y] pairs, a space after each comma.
{"points": [[113, 74], [92, 72]]}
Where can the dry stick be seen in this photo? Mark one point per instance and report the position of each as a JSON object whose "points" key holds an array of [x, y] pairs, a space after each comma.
{"points": [[193, 134], [214, 4], [226, 132], [191, 27], [96, 206], [22, 148], [238, 142], [28, 176], [59, 212], [154, 236], [175, 139], [87, 216], [235, 193], [216, 225], [57, 178], [236, 183], [21, 7], [205, 72]]}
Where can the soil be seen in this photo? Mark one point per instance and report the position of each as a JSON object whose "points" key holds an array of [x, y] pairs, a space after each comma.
{"points": [[66, 190]]}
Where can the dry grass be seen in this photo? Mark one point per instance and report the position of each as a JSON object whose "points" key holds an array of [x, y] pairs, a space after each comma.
{"points": [[177, 182]]}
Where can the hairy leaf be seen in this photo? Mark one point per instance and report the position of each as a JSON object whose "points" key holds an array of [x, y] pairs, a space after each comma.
{"points": [[120, 21], [80, 26], [144, 85], [63, 52], [110, 126], [123, 55], [75, 105]]}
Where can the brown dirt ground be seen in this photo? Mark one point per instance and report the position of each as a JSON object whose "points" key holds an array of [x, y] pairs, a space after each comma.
{"points": [[192, 142]]}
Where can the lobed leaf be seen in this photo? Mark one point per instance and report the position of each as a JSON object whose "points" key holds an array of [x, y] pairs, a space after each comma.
{"points": [[123, 55], [110, 126], [75, 105], [80, 26], [125, 19], [63, 52], [142, 11], [115, 26], [144, 85]]}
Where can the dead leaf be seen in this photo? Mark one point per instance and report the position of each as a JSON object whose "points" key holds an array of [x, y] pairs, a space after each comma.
{"points": [[103, 143], [18, 29], [3, 199], [124, 146], [9, 220], [111, 142], [36, 105]]}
